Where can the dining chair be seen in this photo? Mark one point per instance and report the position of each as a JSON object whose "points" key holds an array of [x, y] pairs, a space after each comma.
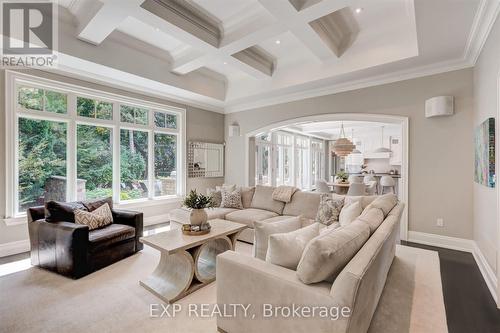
{"points": [[322, 186], [371, 187], [355, 179], [387, 182], [356, 189]]}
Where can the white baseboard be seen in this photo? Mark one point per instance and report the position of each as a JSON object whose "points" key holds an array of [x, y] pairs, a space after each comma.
{"points": [[488, 274], [8, 249], [460, 244], [447, 242]]}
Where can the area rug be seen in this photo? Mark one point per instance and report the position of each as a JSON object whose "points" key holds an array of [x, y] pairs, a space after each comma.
{"points": [[111, 300]]}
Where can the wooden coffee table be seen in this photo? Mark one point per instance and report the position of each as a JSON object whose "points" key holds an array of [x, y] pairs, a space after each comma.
{"points": [[187, 263]]}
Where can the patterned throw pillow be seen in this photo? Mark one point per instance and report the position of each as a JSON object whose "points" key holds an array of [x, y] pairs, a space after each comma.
{"points": [[329, 210], [98, 218], [231, 199], [216, 196]]}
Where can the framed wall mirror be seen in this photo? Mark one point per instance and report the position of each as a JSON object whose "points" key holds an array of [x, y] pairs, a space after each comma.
{"points": [[205, 160]]}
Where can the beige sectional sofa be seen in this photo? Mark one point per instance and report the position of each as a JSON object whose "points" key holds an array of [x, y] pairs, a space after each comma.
{"points": [[258, 205], [272, 291]]}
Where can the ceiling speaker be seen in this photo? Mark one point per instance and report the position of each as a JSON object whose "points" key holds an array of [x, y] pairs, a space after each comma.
{"points": [[439, 106]]}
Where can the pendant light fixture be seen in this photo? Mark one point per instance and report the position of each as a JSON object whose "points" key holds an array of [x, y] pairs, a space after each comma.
{"points": [[355, 151], [343, 146], [382, 149]]}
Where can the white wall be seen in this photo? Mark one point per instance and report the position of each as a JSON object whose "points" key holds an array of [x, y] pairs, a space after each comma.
{"points": [[201, 125], [441, 149], [486, 94]]}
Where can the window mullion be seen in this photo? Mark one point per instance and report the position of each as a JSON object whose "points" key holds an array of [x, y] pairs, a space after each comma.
{"points": [[71, 151], [151, 161], [116, 153]]}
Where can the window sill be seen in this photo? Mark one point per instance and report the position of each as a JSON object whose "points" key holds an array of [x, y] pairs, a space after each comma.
{"points": [[137, 204], [148, 202], [18, 220]]}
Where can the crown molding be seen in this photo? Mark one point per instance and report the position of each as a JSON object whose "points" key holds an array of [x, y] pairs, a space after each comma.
{"points": [[421, 71], [484, 19]]}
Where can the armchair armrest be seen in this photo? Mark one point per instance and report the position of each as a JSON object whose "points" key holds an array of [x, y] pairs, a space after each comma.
{"points": [[133, 219], [59, 246], [254, 282]]}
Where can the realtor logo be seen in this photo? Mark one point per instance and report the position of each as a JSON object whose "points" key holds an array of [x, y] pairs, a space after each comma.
{"points": [[29, 31]]}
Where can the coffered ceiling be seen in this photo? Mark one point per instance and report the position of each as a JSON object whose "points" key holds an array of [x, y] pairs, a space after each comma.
{"points": [[233, 55]]}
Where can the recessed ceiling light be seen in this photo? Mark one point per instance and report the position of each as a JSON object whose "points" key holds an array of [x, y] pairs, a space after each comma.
{"points": [[157, 29], [278, 41], [225, 63], [359, 10]]}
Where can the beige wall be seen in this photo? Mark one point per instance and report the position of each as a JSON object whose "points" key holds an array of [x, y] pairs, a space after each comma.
{"points": [[486, 94], [441, 149], [201, 125]]}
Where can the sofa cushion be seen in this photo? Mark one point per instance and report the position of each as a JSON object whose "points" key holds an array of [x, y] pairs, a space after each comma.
{"points": [[364, 200], [249, 216], [277, 218], [264, 229], [373, 217], [350, 213], [247, 196], [285, 249], [263, 199], [56, 211], [303, 203], [385, 202], [326, 255], [181, 215], [112, 234]]}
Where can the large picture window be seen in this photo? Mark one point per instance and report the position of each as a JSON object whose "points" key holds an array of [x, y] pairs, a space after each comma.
{"points": [[71, 143]]}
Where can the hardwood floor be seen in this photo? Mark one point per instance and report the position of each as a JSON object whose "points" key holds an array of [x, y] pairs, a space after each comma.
{"points": [[470, 308]]}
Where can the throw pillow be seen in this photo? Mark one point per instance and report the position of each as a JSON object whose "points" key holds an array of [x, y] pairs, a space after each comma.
{"points": [[216, 196], [327, 254], [100, 217], [350, 213], [56, 211], [231, 199], [92, 205], [285, 249], [329, 210], [264, 229], [373, 217]]}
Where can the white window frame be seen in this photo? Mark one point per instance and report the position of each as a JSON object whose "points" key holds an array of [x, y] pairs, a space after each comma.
{"points": [[13, 80]]}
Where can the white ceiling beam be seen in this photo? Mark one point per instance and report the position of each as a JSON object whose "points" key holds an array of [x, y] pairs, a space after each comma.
{"points": [[107, 18], [286, 13]]}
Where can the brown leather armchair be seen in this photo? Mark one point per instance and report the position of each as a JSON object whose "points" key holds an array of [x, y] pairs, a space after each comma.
{"points": [[72, 250]]}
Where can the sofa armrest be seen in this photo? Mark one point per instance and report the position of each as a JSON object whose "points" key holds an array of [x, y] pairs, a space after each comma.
{"points": [[251, 281], [59, 246], [133, 219]]}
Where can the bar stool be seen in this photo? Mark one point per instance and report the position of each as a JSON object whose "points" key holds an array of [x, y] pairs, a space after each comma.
{"points": [[369, 178], [389, 183]]}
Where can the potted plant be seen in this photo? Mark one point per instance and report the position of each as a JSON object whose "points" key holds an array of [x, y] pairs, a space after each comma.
{"points": [[342, 176], [198, 203]]}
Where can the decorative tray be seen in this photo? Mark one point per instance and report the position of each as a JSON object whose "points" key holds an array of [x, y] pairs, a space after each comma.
{"points": [[196, 230]]}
